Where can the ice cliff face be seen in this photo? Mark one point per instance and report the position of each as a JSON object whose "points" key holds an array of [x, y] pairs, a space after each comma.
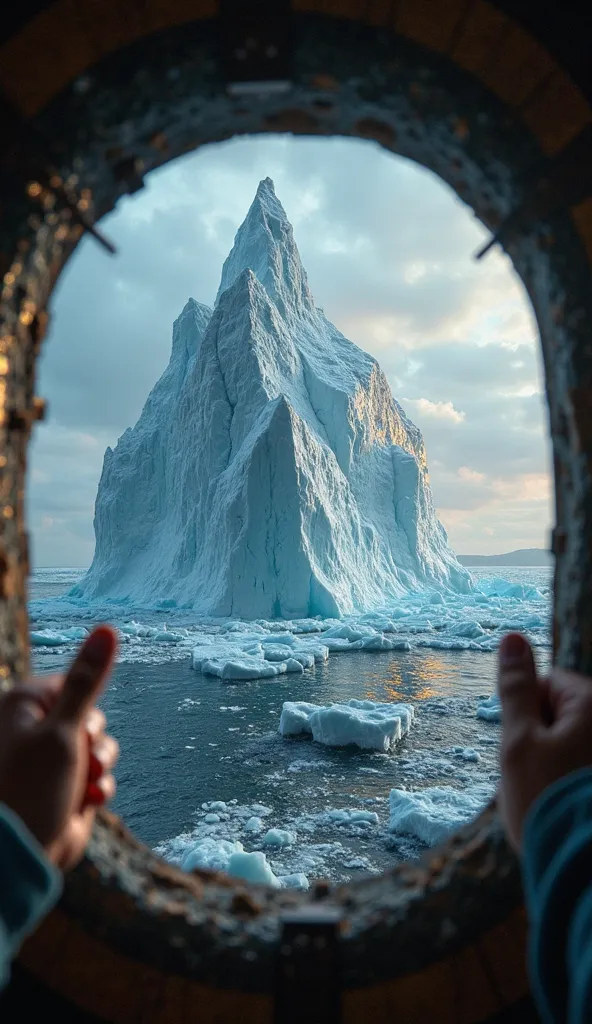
{"points": [[271, 472]]}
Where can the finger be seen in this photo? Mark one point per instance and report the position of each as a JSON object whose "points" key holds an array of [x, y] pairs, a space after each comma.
{"points": [[108, 786], [106, 752], [548, 702], [86, 677], [96, 723], [561, 680], [48, 688], [517, 683], [67, 851], [24, 705]]}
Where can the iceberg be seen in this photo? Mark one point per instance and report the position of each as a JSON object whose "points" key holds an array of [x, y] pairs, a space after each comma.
{"points": [[271, 473], [361, 723]]}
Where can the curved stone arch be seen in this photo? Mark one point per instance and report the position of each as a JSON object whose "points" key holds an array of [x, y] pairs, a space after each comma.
{"points": [[460, 87]]}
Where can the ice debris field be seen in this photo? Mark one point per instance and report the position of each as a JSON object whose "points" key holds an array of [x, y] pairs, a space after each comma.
{"points": [[234, 650], [411, 782], [293, 857], [437, 784]]}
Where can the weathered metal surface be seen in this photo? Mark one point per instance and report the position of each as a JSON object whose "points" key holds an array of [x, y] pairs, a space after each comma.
{"points": [[207, 927], [124, 117], [308, 981]]}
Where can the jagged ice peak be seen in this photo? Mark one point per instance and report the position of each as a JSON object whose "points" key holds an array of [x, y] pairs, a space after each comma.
{"points": [[271, 472], [265, 244]]}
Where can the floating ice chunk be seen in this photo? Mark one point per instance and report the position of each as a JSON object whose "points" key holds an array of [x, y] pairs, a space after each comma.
{"points": [[490, 710], [432, 814], [378, 642], [319, 652], [243, 667], [275, 652], [295, 718], [362, 723], [470, 630], [240, 626], [359, 862], [352, 816], [252, 867], [279, 638], [55, 638], [261, 809], [47, 638], [497, 587], [349, 632], [76, 633], [217, 805], [167, 636], [254, 824], [211, 818], [294, 881], [335, 644], [278, 837], [467, 753], [251, 656], [210, 854], [230, 856], [304, 657]]}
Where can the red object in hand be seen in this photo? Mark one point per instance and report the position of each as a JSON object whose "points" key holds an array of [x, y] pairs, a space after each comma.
{"points": [[95, 768], [94, 795]]}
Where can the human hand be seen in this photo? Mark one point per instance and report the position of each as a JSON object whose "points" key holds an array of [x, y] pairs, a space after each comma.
{"points": [[546, 730], [55, 757]]}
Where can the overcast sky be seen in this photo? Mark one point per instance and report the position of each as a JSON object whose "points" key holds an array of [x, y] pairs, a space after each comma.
{"points": [[389, 253]]}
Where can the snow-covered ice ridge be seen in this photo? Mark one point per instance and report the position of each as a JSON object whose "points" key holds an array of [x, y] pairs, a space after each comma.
{"points": [[271, 473]]}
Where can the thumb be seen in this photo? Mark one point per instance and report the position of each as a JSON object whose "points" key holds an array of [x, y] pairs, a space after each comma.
{"points": [[517, 683], [86, 677]]}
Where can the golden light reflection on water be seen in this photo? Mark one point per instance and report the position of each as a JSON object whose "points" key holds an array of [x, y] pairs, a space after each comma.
{"points": [[426, 681]]}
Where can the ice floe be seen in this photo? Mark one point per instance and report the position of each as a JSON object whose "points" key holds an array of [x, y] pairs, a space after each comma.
{"points": [[432, 814], [361, 723]]}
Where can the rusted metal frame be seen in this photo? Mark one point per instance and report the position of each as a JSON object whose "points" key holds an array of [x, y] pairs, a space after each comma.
{"points": [[308, 968], [255, 42], [565, 182], [27, 158]]}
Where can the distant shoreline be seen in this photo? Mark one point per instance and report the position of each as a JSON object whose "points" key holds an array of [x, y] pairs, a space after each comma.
{"points": [[523, 557]]}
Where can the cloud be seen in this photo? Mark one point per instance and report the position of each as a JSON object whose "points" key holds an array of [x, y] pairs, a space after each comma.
{"points": [[438, 410], [389, 255], [470, 475]]}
